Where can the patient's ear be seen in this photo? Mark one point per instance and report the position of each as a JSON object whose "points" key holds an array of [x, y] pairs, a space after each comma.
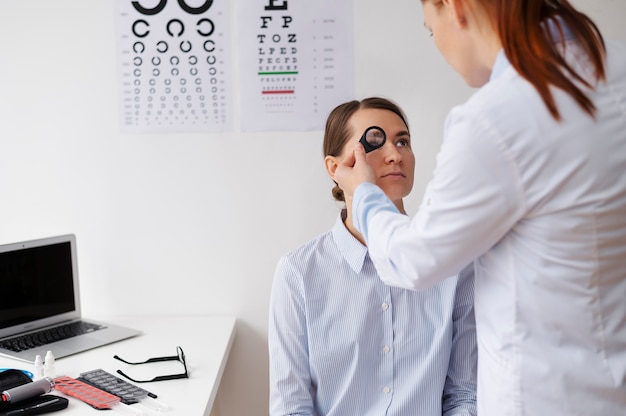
{"points": [[331, 163]]}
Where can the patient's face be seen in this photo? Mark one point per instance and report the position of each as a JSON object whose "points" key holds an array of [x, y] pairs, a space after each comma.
{"points": [[394, 162]]}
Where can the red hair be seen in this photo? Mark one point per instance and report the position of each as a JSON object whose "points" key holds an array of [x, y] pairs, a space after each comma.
{"points": [[524, 33]]}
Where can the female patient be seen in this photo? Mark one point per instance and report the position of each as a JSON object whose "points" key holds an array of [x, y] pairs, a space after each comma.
{"points": [[343, 343]]}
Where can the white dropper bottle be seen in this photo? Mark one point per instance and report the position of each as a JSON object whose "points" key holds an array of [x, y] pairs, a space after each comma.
{"points": [[48, 365], [38, 367]]}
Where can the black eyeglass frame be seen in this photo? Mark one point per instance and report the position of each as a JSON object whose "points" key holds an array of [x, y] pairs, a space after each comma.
{"points": [[370, 147], [180, 358]]}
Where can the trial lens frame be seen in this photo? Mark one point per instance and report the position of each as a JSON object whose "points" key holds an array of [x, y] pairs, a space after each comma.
{"points": [[180, 358], [373, 138]]}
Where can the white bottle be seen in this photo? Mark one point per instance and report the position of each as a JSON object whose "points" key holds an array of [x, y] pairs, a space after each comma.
{"points": [[38, 367], [48, 365]]}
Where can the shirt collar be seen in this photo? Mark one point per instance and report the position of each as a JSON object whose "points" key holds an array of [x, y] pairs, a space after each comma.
{"points": [[502, 62], [500, 65], [350, 248]]}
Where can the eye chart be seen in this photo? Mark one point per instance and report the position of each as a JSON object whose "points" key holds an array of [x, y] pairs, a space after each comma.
{"points": [[295, 62], [175, 69]]}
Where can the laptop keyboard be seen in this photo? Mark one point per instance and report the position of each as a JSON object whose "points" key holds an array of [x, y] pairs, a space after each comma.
{"points": [[47, 336]]}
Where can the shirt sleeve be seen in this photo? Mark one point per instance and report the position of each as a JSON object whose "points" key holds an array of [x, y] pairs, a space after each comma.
{"points": [[290, 380], [459, 393], [473, 199]]}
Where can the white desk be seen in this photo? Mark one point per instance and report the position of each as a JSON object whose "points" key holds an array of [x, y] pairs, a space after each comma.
{"points": [[206, 341]]}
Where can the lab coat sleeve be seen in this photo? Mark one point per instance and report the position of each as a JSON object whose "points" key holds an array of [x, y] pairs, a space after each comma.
{"points": [[473, 199]]}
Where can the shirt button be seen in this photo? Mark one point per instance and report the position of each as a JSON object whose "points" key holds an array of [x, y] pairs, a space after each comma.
{"points": [[386, 390], [386, 348], [385, 306]]}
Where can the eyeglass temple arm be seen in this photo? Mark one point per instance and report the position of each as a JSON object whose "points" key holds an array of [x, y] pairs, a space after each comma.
{"points": [[150, 360], [158, 359]]}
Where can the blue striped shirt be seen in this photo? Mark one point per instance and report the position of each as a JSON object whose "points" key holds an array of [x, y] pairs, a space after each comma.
{"points": [[342, 343]]}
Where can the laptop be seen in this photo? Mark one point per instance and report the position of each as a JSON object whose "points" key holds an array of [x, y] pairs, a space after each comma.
{"points": [[39, 297]]}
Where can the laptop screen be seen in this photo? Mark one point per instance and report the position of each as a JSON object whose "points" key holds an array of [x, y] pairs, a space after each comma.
{"points": [[36, 282]]}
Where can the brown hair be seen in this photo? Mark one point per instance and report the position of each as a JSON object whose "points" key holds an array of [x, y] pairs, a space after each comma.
{"points": [[522, 26], [337, 132]]}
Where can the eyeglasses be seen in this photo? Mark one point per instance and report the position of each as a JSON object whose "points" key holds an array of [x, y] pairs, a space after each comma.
{"points": [[180, 357], [373, 138]]}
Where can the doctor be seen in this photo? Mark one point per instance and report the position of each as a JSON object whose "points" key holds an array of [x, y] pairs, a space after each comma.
{"points": [[530, 184]]}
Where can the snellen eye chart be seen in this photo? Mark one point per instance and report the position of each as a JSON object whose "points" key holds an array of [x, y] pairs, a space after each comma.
{"points": [[175, 66], [295, 62]]}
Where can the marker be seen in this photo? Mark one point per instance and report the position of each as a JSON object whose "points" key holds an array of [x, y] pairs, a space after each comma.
{"points": [[28, 390], [27, 409]]}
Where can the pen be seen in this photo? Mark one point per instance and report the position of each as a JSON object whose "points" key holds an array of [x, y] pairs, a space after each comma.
{"points": [[37, 406], [28, 390]]}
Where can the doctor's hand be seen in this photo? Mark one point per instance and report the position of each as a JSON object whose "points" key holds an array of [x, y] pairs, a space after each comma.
{"points": [[353, 171]]}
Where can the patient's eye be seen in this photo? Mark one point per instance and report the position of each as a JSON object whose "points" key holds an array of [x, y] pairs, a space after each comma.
{"points": [[403, 142]]}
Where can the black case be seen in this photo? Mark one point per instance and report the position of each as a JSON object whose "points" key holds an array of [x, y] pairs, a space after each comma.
{"points": [[14, 378]]}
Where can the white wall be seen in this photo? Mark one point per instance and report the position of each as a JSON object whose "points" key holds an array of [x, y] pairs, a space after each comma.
{"points": [[185, 224]]}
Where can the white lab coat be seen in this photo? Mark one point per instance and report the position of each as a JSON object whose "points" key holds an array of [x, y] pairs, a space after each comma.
{"points": [[541, 207]]}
